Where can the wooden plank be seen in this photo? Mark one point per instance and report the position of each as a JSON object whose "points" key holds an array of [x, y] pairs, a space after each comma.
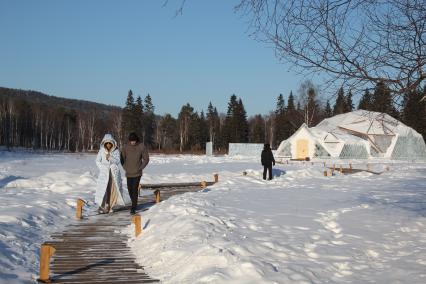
{"points": [[93, 250], [174, 185]]}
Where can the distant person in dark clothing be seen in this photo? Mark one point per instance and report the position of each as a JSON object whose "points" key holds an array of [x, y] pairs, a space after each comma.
{"points": [[134, 158], [267, 160]]}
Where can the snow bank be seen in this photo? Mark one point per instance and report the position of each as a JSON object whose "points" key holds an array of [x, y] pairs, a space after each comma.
{"points": [[38, 194], [299, 228]]}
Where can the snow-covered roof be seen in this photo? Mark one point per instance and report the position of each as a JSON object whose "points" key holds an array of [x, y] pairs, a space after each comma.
{"points": [[367, 123], [376, 132]]}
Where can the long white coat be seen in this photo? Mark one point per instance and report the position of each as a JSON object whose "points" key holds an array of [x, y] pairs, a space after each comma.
{"points": [[105, 165]]}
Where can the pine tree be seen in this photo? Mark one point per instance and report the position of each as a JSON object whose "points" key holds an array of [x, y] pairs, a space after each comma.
{"points": [[235, 129], [382, 100], [340, 105], [213, 124], [349, 103], [139, 113], [229, 126], [129, 119], [198, 131], [280, 119], [328, 112], [169, 132], [184, 120], [292, 122], [414, 111], [257, 129], [243, 129], [280, 108], [149, 121], [290, 103], [365, 101]]}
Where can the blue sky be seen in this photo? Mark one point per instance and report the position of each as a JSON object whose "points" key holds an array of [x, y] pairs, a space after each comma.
{"points": [[98, 50]]}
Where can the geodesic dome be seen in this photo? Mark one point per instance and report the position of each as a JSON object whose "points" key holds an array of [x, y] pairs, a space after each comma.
{"points": [[357, 135]]}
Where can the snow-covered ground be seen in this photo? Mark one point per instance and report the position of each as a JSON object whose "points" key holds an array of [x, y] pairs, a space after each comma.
{"points": [[301, 227]]}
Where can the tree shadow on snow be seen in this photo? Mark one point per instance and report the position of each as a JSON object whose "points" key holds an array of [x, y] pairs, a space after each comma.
{"points": [[8, 179], [412, 200]]}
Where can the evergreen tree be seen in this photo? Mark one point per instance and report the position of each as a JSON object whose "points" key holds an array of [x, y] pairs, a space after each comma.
{"points": [[257, 129], [280, 120], [129, 119], [139, 113], [169, 132], [149, 121], [213, 124], [349, 103], [365, 101], [382, 100], [328, 112], [293, 121], [198, 131], [229, 123], [185, 120], [340, 105], [280, 109], [290, 103], [235, 129], [243, 129], [414, 111]]}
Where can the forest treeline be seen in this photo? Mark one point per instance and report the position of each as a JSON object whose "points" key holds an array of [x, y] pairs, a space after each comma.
{"points": [[34, 120]]}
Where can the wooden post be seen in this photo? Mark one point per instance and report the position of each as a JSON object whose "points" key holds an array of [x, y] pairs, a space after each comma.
{"points": [[341, 169], [325, 173], [157, 196], [203, 184], [79, 213], [350, 167], [46, 252], [136, 219], [216, 178], [368, 167]]}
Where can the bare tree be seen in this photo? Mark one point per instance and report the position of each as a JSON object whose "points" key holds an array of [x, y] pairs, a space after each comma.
{"points": [[82, 127], [117, 122], [356, 42], [307, 95], [91, 119], [270, 128]]}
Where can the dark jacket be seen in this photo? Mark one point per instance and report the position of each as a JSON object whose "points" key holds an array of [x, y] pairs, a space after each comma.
{"points": [[134, 159], [267, 157]]}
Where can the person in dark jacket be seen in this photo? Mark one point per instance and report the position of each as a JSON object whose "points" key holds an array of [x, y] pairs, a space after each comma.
{"points": [[267, 160], [134, 158]]}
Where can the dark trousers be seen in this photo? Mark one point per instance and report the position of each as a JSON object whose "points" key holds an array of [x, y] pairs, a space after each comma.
{"points": [[267, 168], [132, 187]]}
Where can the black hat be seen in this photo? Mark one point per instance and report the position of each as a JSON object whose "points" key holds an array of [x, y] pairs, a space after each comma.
{"points": [[133, 137]]}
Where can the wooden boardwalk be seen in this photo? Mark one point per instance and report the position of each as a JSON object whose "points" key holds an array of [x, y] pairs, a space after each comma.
{"points": [[93, 250]]}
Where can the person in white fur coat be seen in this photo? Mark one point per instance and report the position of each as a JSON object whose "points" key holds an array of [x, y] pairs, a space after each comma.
{"points": [[109, 190]]}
